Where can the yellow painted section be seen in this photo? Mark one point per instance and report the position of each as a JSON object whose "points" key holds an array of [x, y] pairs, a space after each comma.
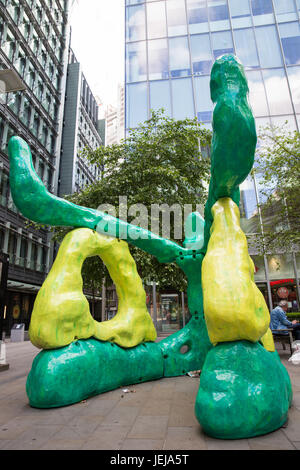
{"points": [[61, 311], [234, 307], [268, 341]]}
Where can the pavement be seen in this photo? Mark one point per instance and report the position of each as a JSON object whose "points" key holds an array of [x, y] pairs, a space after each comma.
{"points": [[157, 416]]}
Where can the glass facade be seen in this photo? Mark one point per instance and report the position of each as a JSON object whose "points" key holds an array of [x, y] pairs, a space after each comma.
{"points": [[170, 48]]}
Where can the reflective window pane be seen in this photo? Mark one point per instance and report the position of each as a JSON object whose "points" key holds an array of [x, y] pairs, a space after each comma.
{"points": [[285, 10], [176, 17], [262, 11], [288, 122], [135, 23], [222, 43], [201, 54], [179, 57], [218, 15], [290, 40], [160, 96], [182, 94], [257, 95], [204, 105], [281, 266], [136, 69], [279, 102], [268, 46], [240, 13], [246, 47], [197, 16], [294, 79], [156, 20], [250, 222], [158, 59], [136, 104]]}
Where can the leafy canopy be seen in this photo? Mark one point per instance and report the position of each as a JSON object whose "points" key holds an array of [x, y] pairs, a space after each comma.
{"points": [[163, 161], [278, 175]]}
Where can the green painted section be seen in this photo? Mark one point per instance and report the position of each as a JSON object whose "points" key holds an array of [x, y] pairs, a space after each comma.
{"points": [[234, 134], [244, 391], [85, 368]]}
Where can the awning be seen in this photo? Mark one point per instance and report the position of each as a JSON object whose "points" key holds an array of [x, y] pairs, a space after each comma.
{"points": [[282, 281], [23, 287]]}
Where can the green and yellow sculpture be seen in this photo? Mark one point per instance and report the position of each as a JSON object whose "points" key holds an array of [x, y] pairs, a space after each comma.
{"points": [[244, 389]]}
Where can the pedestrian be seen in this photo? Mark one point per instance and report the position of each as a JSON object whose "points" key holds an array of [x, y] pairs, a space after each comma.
{"points": [[279, 320]]}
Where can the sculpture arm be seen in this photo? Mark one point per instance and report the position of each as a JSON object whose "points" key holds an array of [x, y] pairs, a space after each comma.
{"points": [[37, 204]]}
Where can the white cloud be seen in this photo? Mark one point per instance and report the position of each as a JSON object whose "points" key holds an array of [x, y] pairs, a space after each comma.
{"points": [[98, 44]]}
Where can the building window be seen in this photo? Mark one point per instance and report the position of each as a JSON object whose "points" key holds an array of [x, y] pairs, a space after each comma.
{"points": [[279, 103], [179, 57], [197, 13], [218, 14], [204, 105], [3, 188], [268, 47], [201, 54], [135, 23], [160, 96], [158, 59], [156, 20], [245, 47], [240, 13], [262, 11], [176, 18], [285, 10], [290, 40], [257, 95], [183, 103], [222, 44], [294, 79], [137, 111], [136, 69]]}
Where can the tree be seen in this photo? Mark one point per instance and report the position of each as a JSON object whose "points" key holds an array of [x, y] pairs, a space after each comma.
{"points": [[278, 175], [163, 161]]}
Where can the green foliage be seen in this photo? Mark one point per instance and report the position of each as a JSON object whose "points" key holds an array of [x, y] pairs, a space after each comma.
{"points": [[278, 174], [163, 161]]}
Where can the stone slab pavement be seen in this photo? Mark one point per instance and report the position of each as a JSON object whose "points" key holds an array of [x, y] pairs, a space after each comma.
{"points": [[157, 415]]}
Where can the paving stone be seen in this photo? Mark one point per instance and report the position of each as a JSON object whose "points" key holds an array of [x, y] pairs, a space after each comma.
{"points": [[149, 427], [153, 406], [107, 437], [182, 415], [63, 445], [219, 444], [185, 438], [292, 431], [121, 415], [142, 444], [276, 440]]}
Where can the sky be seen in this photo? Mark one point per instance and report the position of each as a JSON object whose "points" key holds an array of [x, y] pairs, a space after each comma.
{"points": [[98, 44]]}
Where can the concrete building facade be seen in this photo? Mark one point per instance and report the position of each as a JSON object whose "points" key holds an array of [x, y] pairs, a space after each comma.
{"points": [[80, 130], [34, 38]]}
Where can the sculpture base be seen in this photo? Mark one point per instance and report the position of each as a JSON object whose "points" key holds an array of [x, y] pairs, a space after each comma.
{"points": [[244, 391]]}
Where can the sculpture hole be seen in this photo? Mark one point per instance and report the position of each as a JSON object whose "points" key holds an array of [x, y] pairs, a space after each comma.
{"points": [[184, 349]]}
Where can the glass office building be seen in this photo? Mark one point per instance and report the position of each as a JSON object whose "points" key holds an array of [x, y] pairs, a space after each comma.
{"points": [[170, 48]]}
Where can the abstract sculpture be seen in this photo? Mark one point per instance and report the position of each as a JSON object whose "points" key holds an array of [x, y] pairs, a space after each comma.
{"points": [[244, 389]]}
